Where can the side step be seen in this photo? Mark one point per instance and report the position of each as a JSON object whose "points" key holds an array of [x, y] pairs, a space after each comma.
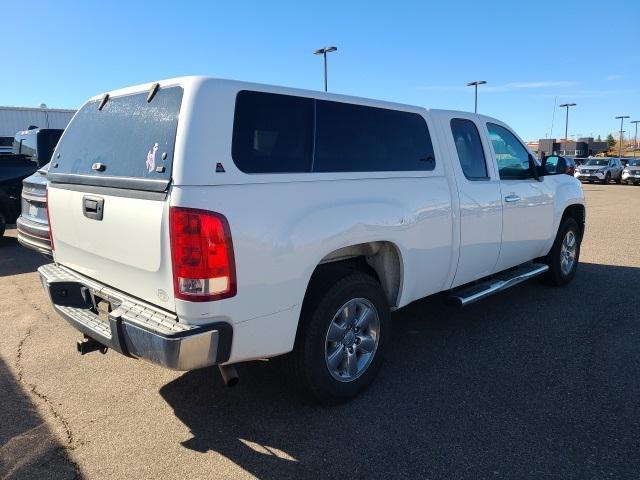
{"points": [[501, 281]]}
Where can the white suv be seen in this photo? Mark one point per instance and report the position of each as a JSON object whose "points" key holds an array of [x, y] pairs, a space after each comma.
{"points": [[198, 221]]}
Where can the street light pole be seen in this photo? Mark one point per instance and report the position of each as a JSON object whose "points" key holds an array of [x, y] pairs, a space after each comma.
{"points": [[475, 84], [323, 52], [635, 140], [566, 121], [621, 117]]}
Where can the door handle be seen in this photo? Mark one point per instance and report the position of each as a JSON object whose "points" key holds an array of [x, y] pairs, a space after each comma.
{"points": [[93, 207], [511, 198]]}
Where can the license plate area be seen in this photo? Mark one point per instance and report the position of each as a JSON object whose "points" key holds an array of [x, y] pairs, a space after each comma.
{"points": [[70, 294]]}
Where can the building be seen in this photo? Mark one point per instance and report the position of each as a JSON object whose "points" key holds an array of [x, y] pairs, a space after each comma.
{"points": [[583, 147], [16, 119]]}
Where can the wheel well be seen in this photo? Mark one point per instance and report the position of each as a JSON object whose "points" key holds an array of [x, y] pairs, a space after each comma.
{"points": [[577, 212], [381, 260]]}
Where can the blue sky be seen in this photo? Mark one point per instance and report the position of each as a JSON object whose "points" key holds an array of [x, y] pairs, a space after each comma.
{"points": [[417, 52]]}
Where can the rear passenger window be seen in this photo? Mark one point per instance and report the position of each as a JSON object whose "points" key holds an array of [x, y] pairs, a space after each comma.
{"points": [[469, 147], [272, 133], [356, 138]]}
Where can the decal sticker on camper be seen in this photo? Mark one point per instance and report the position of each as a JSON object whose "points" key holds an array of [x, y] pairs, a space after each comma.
{"points": [[151, 158]]}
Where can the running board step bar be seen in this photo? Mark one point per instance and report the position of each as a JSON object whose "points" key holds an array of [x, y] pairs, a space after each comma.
{"points": [[501, 281]]}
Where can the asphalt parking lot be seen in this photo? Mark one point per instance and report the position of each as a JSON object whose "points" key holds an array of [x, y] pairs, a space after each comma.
{"points": [[534, 382]]}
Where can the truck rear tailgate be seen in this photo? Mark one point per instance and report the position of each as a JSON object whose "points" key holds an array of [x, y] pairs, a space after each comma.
{"points": [[127, 249]]}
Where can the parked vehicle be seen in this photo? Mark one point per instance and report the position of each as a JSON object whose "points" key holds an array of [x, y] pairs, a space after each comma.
{"points": [[571, 166], [273, 221], [631, 173], [32, 149], [32, 224], [600, 169], [6, 145]]}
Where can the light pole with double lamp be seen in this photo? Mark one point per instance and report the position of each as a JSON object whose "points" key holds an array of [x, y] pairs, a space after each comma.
{"points": [[635, 139], [323, 52], [566, 120], [475, 84], [621, 117]]}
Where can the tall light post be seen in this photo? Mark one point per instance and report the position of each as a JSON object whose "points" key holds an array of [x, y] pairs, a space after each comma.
{"points": [[475, 84], [323, 52], [635, 140], [621, 117], [566, 121]]}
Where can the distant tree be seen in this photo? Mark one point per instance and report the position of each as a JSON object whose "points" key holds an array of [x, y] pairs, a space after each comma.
{"points": [[610, 141], [599, 139]]}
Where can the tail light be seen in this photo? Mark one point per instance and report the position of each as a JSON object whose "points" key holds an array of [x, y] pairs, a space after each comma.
{"points": [[202, 255], [49, 219]]}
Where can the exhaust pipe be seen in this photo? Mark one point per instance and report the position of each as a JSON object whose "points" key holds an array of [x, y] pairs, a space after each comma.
{"points": [[229, 375]]}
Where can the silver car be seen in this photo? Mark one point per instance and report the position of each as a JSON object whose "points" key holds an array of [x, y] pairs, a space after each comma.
{"points": [[600, 170], [631, 173], [32, 224]]}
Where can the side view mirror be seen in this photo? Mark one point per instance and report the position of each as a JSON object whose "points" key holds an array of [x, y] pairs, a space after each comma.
{"points": [[554, 165]]}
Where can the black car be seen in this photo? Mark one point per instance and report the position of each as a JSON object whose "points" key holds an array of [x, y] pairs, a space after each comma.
{"points": [[32, 150]]}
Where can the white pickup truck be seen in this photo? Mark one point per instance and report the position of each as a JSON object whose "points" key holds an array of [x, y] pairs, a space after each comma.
{"points": [[198, 221]]}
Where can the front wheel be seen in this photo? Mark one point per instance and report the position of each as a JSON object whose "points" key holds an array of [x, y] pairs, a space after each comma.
{"points": [[341, 341], [607, 179], [565, 253]]}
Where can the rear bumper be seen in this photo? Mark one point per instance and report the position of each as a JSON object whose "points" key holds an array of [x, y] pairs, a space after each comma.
{"points": [[133, 327], [34, 235]]}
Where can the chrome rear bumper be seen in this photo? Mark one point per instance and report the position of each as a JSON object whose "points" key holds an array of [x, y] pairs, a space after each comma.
{"points": [[131, 326], [34, 235]]}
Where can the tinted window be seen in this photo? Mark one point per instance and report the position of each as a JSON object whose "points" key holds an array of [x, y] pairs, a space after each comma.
{"points": [[469, 147], [26, 144], [272, 133], [354, 138], [131, 137], [512, 157]]}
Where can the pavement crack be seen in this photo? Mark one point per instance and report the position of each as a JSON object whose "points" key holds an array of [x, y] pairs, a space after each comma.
{"points": [[71, 442]]}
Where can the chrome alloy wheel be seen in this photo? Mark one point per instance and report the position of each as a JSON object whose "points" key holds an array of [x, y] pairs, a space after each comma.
{"points": [[568, 252], [352, 339]]}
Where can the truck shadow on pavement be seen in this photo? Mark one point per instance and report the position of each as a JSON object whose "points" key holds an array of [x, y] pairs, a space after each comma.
{"points": [[28, 447], [16, 259], [536, 381]]}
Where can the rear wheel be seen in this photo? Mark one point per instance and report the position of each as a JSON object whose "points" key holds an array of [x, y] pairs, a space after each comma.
{"points": [[619, 180], [3, 224], [607, 178], [565, 253], [341, 341]]}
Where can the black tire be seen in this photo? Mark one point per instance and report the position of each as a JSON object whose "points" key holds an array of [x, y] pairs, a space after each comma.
{"points": [[306, 366], [556, 276], [590, 181], [619, 180], [607, 178], [3, 224]]}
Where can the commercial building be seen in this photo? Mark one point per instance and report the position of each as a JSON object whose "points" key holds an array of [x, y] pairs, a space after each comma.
{"points": [[583, 147], [16, 119]]}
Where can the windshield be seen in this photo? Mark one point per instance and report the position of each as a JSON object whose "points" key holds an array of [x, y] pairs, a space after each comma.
{"points": [[129, 138], [634, 163], [598, 162]]}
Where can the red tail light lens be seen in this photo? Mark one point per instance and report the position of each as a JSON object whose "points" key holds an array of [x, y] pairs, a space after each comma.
{"points": [[49, 219], [202, 255]]}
